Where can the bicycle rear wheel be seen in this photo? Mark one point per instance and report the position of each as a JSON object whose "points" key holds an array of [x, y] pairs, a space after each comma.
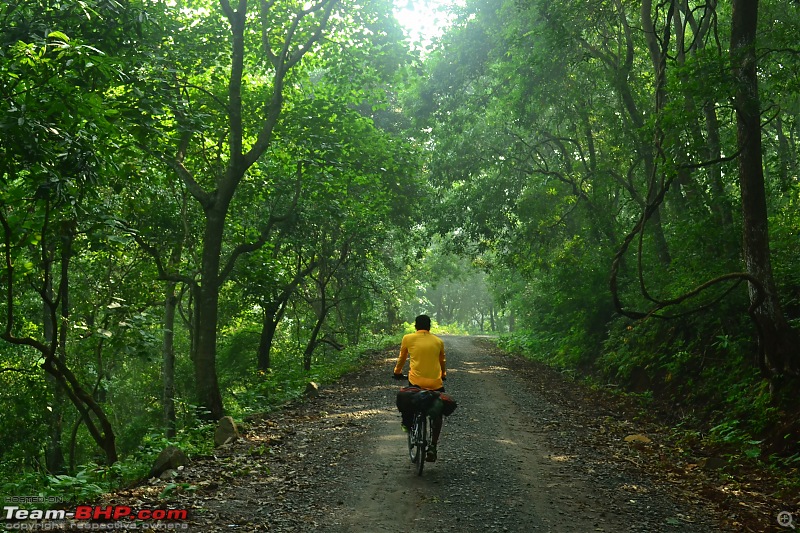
{"points": [[422, 442], [416, 439], [412, 441]]}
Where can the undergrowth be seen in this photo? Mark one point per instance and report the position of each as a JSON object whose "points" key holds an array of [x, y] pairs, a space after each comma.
{"points": [[255, 392]]}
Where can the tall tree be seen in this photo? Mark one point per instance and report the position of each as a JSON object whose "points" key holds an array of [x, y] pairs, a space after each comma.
{"points": [[224, 110], [780, 343]]}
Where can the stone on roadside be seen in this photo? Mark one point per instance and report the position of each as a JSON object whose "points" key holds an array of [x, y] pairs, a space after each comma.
{"points": [[312, 390], [168, 475], [226, 431], [170, 458], [638, 438]]}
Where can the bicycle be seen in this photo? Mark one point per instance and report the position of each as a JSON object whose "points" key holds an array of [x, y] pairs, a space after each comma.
{"points": [[420, 435], [425, 405]]}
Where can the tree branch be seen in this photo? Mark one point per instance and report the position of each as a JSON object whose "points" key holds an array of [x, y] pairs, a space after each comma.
{"points": [[283, 63], [266, 231], [19, 371]]}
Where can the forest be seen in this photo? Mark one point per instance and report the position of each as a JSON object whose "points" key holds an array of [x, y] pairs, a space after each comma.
{"points": [[206, 204]]}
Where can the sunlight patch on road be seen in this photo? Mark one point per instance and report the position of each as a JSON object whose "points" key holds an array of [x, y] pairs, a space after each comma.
{"points": [[562, 458], [634, 488], [382, 387], [363, 413], [486, 370], [394, 437]]}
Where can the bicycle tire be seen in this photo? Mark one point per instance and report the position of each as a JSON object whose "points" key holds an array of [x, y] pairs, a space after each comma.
{"points": [[412, 441], [422, 443]]}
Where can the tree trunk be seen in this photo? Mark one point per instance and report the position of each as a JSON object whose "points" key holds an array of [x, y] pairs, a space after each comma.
{"points": [[312, 343], [55, 359], [321, 312], [647, 151], [784, 154], [272, 317], [216, 202], [268, 327], [392, 318], [779, 342], [273, 313], [717, 201], [168, 362], [73, 445], [54, 454], [207, 304], [720, 206]]}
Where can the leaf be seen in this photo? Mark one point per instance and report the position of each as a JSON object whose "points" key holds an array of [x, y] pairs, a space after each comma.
{"points": [[58, 35], [168, 489]]}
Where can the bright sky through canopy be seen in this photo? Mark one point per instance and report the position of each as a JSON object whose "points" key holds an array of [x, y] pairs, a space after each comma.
{"points": [[422, 19]]}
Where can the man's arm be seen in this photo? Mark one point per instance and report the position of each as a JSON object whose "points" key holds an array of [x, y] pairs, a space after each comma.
{"points": [[401, 360], [443, 362]]}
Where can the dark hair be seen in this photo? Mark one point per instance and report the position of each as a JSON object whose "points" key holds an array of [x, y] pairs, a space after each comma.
{"points": [[422, 322]]}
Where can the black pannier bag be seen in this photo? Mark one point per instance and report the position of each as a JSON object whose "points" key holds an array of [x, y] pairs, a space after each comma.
{"points": [[414, 399], [448, 404], [404, 399]]}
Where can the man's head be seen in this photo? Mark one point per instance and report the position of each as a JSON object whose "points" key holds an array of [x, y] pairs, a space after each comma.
{"points": [[422, 322]]}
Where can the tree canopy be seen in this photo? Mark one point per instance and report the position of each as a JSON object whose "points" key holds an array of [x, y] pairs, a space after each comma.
{"points": [[573, 144]]}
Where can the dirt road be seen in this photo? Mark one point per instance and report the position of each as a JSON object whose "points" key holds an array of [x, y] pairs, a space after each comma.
{"points": [[508, 461], [518, 455]]}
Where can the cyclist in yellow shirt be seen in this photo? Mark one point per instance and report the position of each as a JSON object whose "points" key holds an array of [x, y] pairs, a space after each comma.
{"points": [[427, 369]]}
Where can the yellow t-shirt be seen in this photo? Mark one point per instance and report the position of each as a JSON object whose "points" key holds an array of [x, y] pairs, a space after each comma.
{"points": [[426, 359]]}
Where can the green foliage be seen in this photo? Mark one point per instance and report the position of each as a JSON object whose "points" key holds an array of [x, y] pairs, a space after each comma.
{"points": [[286, 381], [171, 488], [89, 482], [96, 97], [530, 155], [453, 290], [546, 182], [534, 345], [437, 329], [81, 487], [25, 397]]}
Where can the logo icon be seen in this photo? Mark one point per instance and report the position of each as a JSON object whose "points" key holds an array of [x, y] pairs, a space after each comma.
{"points": [[785, 519]]}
